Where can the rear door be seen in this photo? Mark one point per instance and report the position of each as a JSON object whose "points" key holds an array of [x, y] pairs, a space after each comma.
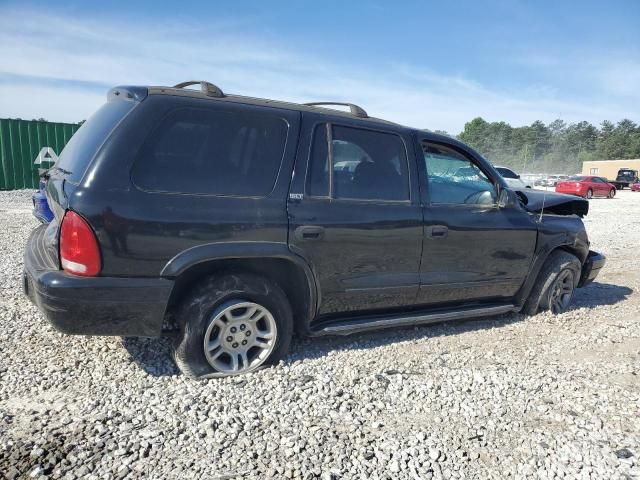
{"points": [[473, 250], [354, 214]]}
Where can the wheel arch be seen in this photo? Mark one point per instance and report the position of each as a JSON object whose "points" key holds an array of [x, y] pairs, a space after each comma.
{"points": [[271, 260], [567, 245]]}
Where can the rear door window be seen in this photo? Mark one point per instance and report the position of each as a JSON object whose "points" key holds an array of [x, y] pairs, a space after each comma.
{"points": [[84, 144], [318, 176], [360, 165], [213, 152]]}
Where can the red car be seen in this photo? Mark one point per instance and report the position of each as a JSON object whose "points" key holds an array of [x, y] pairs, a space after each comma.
{"points": [[635, 187], [587, 187]]}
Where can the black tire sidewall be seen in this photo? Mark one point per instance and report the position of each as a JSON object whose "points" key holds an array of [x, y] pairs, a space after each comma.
{"points": [[197, 310], [539, 298], [545, 301]]}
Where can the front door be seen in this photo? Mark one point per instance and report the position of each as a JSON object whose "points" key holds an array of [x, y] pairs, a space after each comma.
{"points": [[474, 250], [601, 188], [353, 216]]}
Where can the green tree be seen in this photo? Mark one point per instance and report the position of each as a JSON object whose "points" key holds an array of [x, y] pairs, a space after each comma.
{"points": [[553, 148]]}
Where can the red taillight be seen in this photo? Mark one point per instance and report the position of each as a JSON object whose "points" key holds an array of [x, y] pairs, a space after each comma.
{"points": [[79, 252]]}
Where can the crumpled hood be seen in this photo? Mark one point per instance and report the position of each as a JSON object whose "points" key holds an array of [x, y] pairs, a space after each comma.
{"points": [[554, 203]]}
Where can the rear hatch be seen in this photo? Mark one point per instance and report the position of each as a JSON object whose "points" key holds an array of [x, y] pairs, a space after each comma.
{"points": [[76, 157]]}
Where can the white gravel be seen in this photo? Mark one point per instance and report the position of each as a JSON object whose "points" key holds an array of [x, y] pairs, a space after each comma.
{"points": [[540, 397]]}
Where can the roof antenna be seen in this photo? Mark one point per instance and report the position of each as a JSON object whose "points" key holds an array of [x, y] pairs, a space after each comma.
{"points": [[544, 197]]}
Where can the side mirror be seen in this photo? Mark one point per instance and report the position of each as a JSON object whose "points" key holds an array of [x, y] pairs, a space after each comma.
{"points": [[507, 198], [518, 176]]}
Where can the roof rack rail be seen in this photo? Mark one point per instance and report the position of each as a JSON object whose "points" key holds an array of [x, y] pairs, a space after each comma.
{"points": [[355, 109], [209, 89]]}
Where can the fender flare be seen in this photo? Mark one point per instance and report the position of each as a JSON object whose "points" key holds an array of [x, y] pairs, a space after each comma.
{"points": [[208, 252]]}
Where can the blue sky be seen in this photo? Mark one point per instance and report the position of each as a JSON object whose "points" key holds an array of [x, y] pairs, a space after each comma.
{"points": [[431, 65]]}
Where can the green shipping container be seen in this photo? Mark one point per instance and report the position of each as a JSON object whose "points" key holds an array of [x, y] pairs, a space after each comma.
{"points": [[20, 143]]}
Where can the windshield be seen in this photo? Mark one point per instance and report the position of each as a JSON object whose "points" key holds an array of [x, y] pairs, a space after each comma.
{"points": [[84, 144], [626, 173], [577, 178]]}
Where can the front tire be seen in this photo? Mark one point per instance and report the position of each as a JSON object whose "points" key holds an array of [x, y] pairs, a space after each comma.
{"points": [[232, 324], [589, 194], [555, 285], [612, 193]]}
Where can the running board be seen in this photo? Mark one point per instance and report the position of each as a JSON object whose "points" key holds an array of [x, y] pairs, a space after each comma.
{"points": [[353, 325]]}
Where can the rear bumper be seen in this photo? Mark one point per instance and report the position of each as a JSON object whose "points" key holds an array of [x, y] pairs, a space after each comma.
{"points": [[592, 266], [95, 305]]}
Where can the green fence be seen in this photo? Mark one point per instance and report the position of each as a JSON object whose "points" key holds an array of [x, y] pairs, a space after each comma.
{"points": [[20, 143]]}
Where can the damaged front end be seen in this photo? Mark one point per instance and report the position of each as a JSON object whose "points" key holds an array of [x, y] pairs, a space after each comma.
{"points": [[539, 201], [559, 220]]}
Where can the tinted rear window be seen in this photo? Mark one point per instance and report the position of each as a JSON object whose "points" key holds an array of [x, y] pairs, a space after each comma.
{"points": [[84, 144], [213, 152]]}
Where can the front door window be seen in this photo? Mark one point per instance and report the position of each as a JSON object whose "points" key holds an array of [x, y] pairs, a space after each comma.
{"points": [[454, 179]]}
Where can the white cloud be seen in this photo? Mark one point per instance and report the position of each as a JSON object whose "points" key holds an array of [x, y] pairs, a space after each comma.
{"points": [[40, 68]]}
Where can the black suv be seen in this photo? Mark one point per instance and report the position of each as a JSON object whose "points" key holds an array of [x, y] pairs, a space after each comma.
{"points": [[237, 221]]}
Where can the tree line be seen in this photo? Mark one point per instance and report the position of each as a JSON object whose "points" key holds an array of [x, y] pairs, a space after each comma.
{"points": [[558, 147]]}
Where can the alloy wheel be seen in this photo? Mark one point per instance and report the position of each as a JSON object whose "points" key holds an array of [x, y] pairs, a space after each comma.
{"points": [[562, 291], [239, 338]]}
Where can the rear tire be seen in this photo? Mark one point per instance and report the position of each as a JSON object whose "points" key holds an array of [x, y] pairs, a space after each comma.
{"points": [[555, 285], [232, 324], [589, 194]]}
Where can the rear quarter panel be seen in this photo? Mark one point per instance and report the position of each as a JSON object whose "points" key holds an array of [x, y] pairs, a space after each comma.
{"points": [[139, 231]]}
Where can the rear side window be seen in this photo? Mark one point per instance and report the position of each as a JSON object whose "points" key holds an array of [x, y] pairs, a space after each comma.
{"points": [[361, 165], [212, 152], [84, 144]]}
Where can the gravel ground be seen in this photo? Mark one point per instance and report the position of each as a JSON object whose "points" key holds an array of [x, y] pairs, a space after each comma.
{"points": [[539, 397]]}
